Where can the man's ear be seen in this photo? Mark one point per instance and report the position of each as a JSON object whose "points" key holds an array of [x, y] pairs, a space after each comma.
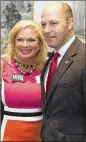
{"points": [[70, 23]]}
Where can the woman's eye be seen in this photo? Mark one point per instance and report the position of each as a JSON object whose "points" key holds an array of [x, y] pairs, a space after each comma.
{"points": [[31, 40], [19, 39], [27, 40]]}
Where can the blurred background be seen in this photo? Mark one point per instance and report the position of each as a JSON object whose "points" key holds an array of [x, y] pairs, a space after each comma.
{"points": [[13, 11]]}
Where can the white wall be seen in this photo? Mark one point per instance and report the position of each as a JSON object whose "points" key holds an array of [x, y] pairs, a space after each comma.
{"points": [[38, 6]]}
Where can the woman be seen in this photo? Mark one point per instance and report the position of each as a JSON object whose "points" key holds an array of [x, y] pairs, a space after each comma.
{"points": [[21, 92]]}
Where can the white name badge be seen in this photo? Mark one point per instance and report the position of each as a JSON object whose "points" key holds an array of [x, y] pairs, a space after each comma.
{"points": [[17, 78], [38, 79]]}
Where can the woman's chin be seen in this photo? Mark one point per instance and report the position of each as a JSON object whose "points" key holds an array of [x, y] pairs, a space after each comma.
{"points": [[25, 56]]}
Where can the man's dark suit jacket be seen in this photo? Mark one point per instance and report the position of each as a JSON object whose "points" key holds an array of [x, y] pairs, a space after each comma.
{"points": [[64, 108]]}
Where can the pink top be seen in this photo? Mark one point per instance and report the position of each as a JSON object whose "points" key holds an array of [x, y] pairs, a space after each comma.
{"points": [[18, 94]]}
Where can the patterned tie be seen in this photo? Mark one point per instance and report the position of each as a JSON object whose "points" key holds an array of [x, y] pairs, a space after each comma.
{"points": [[52, 69]]}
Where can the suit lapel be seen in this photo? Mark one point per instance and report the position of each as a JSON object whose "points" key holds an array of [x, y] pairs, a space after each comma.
{"points": [[42, 78], [46, 64], [64, 65], [62, 68]]}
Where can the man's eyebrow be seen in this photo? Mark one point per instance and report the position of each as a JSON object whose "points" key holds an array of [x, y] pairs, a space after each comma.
{"points": [[43, 22]]}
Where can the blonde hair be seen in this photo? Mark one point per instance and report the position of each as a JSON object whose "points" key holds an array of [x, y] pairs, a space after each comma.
{"points": [[10, 49]]}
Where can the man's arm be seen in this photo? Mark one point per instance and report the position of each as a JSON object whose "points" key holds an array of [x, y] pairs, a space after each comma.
{"points": [[84, 86], [84, 91]]}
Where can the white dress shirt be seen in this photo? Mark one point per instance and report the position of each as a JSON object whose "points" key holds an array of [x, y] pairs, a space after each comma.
{"points": [[61, 51]]}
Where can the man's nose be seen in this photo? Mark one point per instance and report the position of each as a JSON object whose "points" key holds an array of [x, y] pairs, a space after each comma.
{"points": [[47, 28]]}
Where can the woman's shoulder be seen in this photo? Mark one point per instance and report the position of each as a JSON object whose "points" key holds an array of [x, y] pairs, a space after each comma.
{"points": [[3, 56], [3, 59], [2, 64]]}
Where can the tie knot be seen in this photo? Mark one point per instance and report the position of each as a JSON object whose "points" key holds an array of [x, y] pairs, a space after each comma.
{"points": [[56, 55]]}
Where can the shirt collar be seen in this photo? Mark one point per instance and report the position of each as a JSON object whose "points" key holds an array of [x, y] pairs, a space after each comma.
{"points": [[64, 48]]}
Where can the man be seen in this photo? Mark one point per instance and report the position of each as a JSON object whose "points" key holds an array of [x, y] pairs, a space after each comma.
{"points": [[64, 104]]}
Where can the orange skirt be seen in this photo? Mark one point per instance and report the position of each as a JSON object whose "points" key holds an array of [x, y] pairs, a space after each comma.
{"points": [[22, 131]]}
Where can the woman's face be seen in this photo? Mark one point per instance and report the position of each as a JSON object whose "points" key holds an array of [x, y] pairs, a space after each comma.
{"points": [[26, 44]]}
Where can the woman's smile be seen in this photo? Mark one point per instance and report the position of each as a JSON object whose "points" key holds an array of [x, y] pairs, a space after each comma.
{"points": [[26, 51]]}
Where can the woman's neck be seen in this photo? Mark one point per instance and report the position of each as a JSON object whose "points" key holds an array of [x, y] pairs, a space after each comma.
{"points": [[24, 67], [25, 61]]}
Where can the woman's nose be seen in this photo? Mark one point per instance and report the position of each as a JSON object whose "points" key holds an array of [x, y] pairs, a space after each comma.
{"points": [[25, 43]]}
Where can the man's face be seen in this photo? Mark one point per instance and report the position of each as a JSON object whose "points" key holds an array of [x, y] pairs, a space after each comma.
{"points": [[55, 27]]}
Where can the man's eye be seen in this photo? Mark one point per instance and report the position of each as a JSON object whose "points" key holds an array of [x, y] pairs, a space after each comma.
{"points": [[54, 23], [43, 24]]}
